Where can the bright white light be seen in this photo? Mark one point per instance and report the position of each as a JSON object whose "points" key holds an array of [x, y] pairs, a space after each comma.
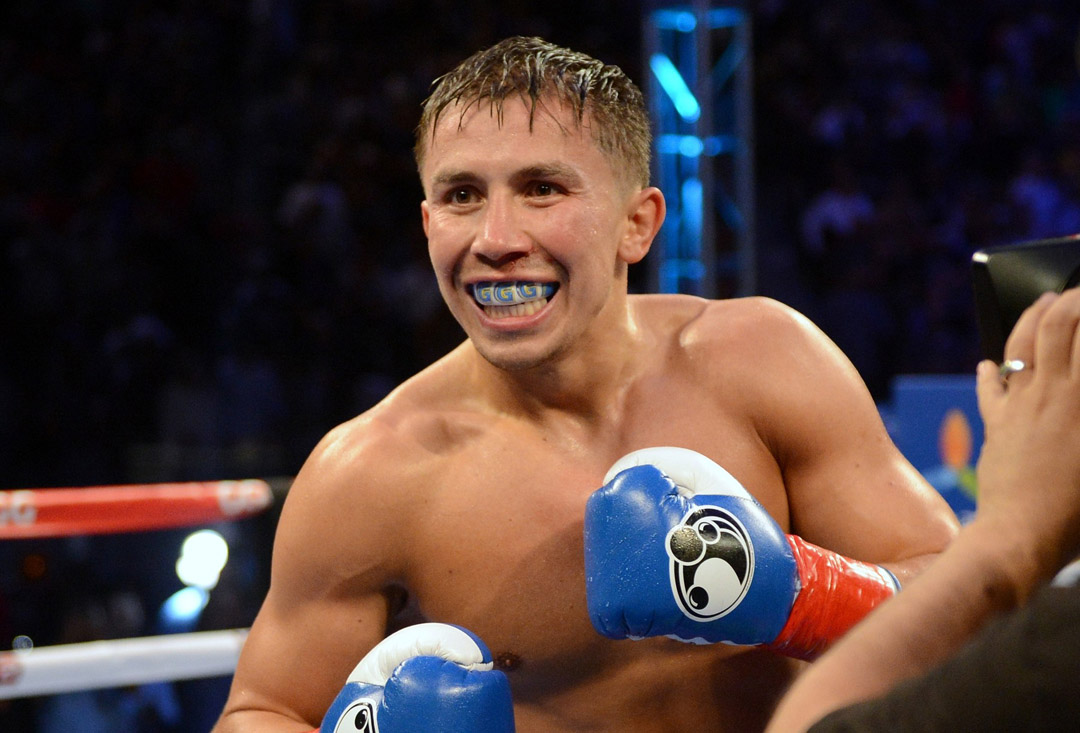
{"points": [[202, 557]]}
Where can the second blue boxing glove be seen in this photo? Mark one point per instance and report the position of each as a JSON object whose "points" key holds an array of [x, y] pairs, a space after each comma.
{"points": [[427, 678]]}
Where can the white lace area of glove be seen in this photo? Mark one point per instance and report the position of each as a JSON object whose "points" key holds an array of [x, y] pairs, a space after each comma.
{"points": [[421, 640], [691, 472]]}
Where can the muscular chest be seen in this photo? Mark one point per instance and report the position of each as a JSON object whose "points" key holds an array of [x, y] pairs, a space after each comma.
{"points": [[501, 549], [499, 545]]}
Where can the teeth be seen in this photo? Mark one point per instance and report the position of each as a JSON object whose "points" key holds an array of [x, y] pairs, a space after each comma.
{"points": [[510, 311], [511, 293]]}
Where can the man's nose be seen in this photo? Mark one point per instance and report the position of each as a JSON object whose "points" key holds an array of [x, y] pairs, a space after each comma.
{"points": [[500, 234]]}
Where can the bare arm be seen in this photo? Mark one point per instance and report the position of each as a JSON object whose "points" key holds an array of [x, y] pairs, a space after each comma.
{"points": [[849, 489], [327, 604], [1028, 525]]}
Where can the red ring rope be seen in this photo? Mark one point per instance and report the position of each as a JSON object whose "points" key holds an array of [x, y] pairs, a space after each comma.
{"points": [[107, 509]]}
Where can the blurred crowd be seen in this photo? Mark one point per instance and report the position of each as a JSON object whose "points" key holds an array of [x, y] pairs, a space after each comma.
{"points": [[894, 139], [209, 223], [210, 242]]}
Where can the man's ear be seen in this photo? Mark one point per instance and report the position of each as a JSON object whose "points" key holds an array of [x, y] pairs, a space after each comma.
{"points": [[424, 215], [645, 214]]}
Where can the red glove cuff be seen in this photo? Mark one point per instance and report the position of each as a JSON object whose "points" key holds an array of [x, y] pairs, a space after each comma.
{"points": [[836, 593]]}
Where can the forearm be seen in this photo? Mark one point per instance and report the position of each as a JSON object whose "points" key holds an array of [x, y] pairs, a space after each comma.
{"points": [[976, 578], [907, 570]]}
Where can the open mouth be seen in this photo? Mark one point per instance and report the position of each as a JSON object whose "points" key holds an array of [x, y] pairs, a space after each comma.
{"points": [[514, 298]]}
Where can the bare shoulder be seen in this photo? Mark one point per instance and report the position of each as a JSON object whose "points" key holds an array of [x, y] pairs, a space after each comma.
{"points": [[340, 567], [755, 341], [363, 473], [778, 361], [756, 324]]}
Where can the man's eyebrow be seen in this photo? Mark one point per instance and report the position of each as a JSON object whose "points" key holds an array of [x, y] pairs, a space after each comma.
{"points": [[554, 170], [453, 178], [548, 170]]}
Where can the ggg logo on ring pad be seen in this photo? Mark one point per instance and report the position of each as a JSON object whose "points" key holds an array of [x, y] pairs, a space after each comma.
{"points": [[712, 563]]}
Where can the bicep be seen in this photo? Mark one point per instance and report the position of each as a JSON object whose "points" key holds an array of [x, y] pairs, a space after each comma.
{"points": [[328, 601], [849, 487], [856, 494], [299, 653]]}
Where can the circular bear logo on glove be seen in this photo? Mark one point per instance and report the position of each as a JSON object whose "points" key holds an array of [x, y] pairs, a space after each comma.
{"points": [[712, 562], [358, 718]]}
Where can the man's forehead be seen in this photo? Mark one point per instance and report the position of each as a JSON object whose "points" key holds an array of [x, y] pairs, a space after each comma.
{"points": [[515, 114], [563, 143]]}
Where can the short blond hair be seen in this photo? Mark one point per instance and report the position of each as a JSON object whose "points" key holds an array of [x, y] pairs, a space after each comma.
{"points": [[532, 69]]}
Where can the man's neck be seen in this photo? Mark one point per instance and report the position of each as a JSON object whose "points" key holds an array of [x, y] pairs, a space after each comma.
{"points": [[588, 383]]}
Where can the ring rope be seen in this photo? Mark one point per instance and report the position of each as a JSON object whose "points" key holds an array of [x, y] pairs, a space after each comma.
{"points": [[87, 510], [50, 670]]}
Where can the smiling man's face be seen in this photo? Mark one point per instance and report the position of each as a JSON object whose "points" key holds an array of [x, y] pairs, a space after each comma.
{"points": [[524, 228]]}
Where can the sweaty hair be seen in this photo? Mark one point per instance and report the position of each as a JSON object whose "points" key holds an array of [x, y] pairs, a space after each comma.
{"points": [[533, 70]]}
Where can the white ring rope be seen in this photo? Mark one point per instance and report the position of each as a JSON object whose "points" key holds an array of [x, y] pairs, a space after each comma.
{"points": [[93, 665]]}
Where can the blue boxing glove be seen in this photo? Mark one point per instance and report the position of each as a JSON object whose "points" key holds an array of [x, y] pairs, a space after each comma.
{"points": [[427, 678], [675, 546]]}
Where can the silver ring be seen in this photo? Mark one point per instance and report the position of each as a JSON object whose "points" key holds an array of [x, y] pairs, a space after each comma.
{"points": [[1010, 367]]}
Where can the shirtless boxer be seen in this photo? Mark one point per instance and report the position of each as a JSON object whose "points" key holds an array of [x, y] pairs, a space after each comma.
{"points": [[465, 489]]}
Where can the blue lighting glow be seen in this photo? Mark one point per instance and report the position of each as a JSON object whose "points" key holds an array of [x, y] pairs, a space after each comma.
{"points": [[693, 146], [676, 20], [690, 146], [725, 17], [673, 84], [693, 202], [181, 610]]}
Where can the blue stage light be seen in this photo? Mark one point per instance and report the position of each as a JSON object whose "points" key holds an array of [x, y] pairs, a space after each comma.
{"points": [[671, 81]]}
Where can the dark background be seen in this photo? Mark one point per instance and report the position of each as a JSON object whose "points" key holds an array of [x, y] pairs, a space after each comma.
{"points": [[210, 244]]}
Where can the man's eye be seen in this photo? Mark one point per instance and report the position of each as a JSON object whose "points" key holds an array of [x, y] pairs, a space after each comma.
{"points": [[460, 196], [543, 189]]}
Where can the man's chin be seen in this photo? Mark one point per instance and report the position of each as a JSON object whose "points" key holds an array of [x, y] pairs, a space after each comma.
{"points": [[518, 365], [514, 358]]}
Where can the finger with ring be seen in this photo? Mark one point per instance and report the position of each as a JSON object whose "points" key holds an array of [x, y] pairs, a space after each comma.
{"points": [[1010, 367]]}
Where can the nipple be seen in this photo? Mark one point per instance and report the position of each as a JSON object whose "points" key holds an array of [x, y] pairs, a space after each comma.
{"points": [[506, 661]]}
